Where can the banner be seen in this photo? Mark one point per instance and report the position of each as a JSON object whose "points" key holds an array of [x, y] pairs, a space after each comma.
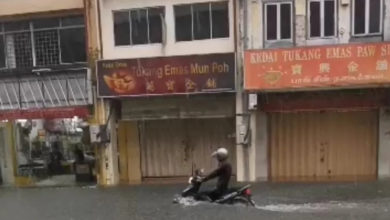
{"points": [[166, 75], [325, 66]]}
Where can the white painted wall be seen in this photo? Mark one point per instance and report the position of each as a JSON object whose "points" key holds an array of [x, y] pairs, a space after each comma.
{"points": [[256, 25], [14, 7], [172, 48]]}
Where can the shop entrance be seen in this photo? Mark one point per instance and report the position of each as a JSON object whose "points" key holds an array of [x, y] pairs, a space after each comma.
{"points": [[53, 152]]}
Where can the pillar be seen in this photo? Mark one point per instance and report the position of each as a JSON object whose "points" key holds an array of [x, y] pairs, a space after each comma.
{"points": [[384, 144]]}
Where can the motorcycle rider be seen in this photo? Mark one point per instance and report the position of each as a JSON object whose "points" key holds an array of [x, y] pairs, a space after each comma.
{"points": [[223, 172]]}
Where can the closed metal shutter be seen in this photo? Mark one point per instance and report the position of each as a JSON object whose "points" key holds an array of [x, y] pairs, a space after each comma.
{"points": [[328, 146], [174, 148]]}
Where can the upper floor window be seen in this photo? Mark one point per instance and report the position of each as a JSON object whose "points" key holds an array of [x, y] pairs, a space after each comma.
{"points": [[367, 17], [278, 21], [202, 21], [42, 42], [322, 18], [139, 26]]}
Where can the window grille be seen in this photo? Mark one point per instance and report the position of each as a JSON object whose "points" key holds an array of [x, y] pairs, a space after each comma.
{"points": [[43, 42], [47, 51]]}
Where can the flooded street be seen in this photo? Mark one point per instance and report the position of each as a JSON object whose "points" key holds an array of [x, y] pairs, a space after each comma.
{"points": [[274, 201]]}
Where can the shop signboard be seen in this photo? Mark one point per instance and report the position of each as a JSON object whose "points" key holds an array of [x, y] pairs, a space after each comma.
{"points": [[324, 66], [166, 75]]}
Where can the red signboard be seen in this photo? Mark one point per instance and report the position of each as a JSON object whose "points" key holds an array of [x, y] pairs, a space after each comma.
{"points": [[325, 66], [166, 75], [49, 113]]}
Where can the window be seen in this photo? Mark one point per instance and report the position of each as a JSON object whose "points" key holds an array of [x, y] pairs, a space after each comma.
{"points": [[72, 45], [156, 16], [42, 42], [121, 28], [220, 19], [367, 17], [202, 21], [138, 26], [322, 18], [183, 22], [278, 21]]}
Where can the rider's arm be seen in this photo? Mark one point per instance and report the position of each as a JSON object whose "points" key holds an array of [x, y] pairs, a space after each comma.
{"points": [[213, 174]]}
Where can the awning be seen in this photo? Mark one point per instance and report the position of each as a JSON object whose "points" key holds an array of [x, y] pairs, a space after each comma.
{"points": [[45, 94]]}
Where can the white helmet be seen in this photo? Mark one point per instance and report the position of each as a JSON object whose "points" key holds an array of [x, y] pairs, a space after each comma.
{"points": [[220, 153]]}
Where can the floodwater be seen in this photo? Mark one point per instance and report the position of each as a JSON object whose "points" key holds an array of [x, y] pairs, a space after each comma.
{"points": [[274, 201]]}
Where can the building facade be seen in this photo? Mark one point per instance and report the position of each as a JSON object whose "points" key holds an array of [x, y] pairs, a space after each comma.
{"points": [[168, 68], [317, 77], [45, 82], [296, 90]]}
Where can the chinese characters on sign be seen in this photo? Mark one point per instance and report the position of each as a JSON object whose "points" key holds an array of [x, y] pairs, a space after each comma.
{"points": [[324, 68], [344, 65], [296, 69], [166, 75]]}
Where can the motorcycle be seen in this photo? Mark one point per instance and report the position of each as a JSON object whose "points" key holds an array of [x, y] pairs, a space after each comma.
{"points": [[241, 195]]}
